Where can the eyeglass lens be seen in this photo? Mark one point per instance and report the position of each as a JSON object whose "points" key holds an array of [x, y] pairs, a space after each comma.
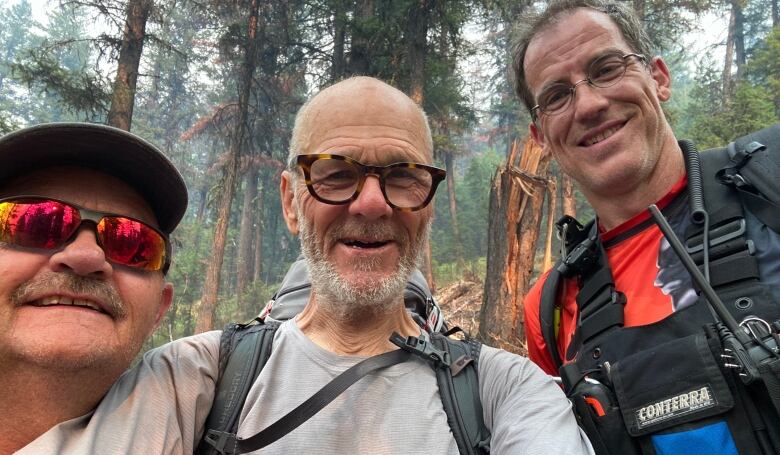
{"points": [[337, 181], [603, 72], [49, 224]]}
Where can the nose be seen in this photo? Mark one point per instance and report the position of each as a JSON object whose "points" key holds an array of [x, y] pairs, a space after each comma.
{"points": [[82, 256], [589, 102], [371, 203]]}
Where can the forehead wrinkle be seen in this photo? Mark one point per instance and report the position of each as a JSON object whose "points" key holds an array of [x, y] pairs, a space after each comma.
{"points": [[99, 191], [591, 61], [566, 54]]}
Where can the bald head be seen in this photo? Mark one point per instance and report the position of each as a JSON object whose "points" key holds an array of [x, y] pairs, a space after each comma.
{"points": [[352, 102]]}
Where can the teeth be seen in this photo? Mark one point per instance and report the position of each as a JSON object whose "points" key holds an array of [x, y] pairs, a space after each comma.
{"points": [[63, 300], [86, 303], [364, 244], [46, 301], [601, 136]]}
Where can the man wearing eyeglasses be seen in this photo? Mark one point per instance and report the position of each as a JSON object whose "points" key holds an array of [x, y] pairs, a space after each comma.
{"points": [[358, 192], [85, 214], [618, 317]]}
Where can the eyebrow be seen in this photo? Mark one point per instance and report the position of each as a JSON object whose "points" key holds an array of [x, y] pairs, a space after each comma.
{"points": [[603, 53]]}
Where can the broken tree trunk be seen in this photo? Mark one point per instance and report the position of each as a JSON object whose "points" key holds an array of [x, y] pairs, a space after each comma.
{"points": [[569, 201], [516, 205]]}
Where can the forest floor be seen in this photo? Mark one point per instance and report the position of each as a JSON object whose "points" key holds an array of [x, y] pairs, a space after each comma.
{"points": [[460, 303]]}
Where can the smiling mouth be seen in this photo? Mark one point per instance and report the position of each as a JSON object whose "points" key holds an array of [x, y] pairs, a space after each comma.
{"points": [[59, 300], [362, 244], [601, 136]]}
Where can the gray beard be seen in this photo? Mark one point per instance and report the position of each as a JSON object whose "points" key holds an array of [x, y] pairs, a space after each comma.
{"points": [[346, 300]]}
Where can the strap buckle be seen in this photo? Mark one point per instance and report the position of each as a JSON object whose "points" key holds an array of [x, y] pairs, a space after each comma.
{"points": [[581, 259], [570, 232], [421, 348], [721, 234], [222, 441], [730, 175]]}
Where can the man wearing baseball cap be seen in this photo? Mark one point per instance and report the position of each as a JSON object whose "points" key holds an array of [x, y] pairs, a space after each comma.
{"points": [[85, 214]]}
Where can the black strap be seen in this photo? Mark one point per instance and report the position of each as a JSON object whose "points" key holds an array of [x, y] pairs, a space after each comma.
{"points": [[599, 304], [770, 374], [459, 391], [314, 404], [244, 350], [765, 210], [547, 303]]}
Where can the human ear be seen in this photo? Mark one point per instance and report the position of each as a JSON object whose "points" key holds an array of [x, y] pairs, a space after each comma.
{"points": [[663, 80], [287, 193], [536, 133], [166, 298]]}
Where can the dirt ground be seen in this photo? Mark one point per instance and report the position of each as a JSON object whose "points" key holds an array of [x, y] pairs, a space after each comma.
{"points": [[460, 303]]}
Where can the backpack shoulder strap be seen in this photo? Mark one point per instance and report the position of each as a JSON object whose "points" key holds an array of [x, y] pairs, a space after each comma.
{"points": [[459, 390], [548, 302], [752, 168], [244, 350]]}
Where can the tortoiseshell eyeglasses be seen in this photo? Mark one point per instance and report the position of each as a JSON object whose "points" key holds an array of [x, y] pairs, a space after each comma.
{"points": [[337, 179]]}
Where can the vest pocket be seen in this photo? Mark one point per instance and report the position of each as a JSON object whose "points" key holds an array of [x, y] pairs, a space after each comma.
{"points": [[675, 382]]}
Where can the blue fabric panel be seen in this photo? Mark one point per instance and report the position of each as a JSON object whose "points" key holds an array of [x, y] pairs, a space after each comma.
{"points": [[714, 439]]}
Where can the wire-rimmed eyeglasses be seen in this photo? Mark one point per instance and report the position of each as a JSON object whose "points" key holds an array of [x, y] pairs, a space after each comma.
{"points": [[603, 72], [338, 179]]}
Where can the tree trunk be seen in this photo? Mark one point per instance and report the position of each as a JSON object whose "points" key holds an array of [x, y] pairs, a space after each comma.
{"points": [[727, 79], [120, 114], [416, 36], [360, 50], [259, 224], [448, 164], [245, 236], [775, 14], [515, 213], [416, 40], [739, 37], [208, 305], [339, 34], [569, 201]]}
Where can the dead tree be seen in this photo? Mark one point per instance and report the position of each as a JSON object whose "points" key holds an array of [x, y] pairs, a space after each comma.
{"points": [[569, 201], [516, 207]]}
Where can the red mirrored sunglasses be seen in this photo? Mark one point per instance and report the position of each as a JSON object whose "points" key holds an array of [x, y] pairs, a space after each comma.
{"points": [[39, 222]]}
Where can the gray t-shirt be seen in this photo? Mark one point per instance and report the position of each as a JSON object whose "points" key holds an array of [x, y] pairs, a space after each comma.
{"points": [[160, 405]]}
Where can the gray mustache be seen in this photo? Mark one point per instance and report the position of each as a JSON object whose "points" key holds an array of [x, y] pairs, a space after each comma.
{"points": [[67, 283]]}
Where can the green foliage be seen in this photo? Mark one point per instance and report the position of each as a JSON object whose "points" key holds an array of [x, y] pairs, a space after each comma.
{"points": [[750, 109], [78, 90], [764, 67], [7, 124], [450, 272], [713, 119], [50, 77], [472, 194], [16, 25]]}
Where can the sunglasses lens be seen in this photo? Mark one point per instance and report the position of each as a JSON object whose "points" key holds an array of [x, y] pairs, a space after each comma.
{"points": [[45, 224], [131, 243]]}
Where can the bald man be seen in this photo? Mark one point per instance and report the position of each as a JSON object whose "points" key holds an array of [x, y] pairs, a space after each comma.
{"points": [[358, 192]]}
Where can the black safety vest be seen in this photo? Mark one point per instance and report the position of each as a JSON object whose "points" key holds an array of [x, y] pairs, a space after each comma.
{"points": [[662, 387]]}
